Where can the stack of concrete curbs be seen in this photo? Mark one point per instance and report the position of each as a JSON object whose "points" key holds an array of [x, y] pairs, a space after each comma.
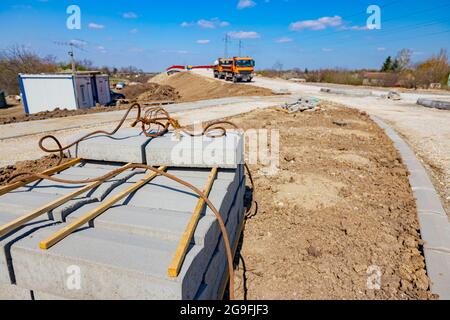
{"points": [[125, 252]]}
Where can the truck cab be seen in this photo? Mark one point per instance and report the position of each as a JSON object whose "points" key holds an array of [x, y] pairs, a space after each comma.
{"points": [[236, 69]]}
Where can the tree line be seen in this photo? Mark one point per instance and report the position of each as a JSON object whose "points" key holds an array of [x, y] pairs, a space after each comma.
{"points": [[19, 59]]}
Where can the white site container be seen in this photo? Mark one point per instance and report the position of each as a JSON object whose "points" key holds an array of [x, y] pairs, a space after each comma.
{"points": [[46, 92]]}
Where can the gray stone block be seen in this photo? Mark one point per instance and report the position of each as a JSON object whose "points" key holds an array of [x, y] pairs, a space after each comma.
{"points": [[442, 105], [125, 146], [154, 223], [128, 145], [6, 241], [438, 269], [111, 265], [434, 224], [427, 200], [435, 231], [223, 152], [18, 202], [39, 295], [13, 292], [420, 179]]}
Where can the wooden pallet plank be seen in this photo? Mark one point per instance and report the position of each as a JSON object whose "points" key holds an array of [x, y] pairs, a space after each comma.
{"points": [[178, 258]]}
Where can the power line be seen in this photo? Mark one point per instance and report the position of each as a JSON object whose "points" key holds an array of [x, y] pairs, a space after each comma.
{"points": [[384, 21]]}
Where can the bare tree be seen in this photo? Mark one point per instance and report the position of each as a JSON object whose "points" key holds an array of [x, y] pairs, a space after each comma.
{"points": [[278, 66], [404, 59], [18, 59]]}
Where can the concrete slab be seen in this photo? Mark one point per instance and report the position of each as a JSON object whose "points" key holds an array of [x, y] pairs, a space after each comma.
{"points": [[442, 105], [438, 266], [13, 292], [43, 296], [435, 230], [128, 145], [223, 152], [112, 265], [18, 202], [126, 254], [427, 200], [7, 275], [125, 146]]}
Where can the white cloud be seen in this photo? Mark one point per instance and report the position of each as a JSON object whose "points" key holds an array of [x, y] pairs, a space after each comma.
{"points": [[244, 35], [101, 49], [175, 51], [355, 28], [135, 30], [327, 50], [381, 49], [203, 41], [319, 24], [79, 43], [206, 24], [129, 15], [212, 23], [95, 26], [284, 40], [242, 4]]}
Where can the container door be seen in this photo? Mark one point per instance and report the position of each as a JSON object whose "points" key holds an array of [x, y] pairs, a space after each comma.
{"points": [[84, 93], [103, 94]]}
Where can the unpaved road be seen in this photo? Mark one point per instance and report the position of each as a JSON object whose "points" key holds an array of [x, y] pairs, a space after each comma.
{"points": [[426, 130], [19, 141]]}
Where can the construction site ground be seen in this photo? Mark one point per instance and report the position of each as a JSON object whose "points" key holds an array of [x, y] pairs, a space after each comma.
{"points": [[426, 130], [183, 87], [340, 204]]}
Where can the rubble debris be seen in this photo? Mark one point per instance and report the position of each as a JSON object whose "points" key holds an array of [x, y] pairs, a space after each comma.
{"points": [[303, 104], [393, 95]]}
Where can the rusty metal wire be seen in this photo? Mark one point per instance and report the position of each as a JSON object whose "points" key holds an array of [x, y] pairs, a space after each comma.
{"points": [[155, 122]]}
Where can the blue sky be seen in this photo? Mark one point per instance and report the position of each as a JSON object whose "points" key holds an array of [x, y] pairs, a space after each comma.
{"points": [[153, 34]]}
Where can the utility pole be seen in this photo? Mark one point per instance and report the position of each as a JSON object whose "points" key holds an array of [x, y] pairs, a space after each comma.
{"points": [[240, 48], [227, 40], [72, 59]]}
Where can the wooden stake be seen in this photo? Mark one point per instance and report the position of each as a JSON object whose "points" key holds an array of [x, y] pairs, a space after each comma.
{"points": [[177, 261]]}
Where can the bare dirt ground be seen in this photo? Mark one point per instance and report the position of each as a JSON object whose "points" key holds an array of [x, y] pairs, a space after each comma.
{"points": [[183, 87], [425, 130], [151, 92], [340, 204], [35, 166], [193, 87]]}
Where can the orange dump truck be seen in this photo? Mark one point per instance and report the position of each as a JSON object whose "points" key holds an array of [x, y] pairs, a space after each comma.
{"points": [[236, 69]]}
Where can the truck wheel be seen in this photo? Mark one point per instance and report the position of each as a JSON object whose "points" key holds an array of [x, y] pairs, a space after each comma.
{"points": [[235, 79]]}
